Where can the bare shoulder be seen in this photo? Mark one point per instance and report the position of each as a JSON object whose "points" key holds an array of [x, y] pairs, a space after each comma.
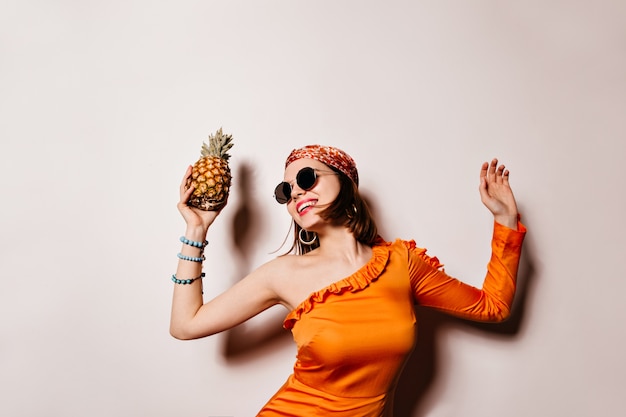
{"points": [[290, 277], [280, 267]]}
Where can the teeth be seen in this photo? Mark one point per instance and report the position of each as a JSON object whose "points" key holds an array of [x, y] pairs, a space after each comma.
{"points": [[305, 205]]}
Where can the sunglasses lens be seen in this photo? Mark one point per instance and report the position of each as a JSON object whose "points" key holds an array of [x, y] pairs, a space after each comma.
{"points": [[282, 193], [306, 178]]}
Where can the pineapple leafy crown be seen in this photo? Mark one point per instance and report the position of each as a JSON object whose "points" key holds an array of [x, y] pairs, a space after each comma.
{"points": [[218, 145]]}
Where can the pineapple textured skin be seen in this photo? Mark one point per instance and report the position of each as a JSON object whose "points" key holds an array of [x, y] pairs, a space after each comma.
{"points": [[211, 175]]}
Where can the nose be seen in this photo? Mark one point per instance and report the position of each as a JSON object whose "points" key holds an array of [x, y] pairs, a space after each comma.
{"points": [[296, 191]]}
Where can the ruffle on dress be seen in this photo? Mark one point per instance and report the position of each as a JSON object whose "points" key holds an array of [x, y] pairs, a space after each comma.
{"points": [[358, 281], [421, 252]]}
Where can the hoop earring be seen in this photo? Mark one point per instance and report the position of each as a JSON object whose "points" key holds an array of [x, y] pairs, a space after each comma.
{"points": [[306, 242]]}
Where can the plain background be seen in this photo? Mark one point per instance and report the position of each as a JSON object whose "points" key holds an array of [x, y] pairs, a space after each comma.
{"points": [[104, 104]]}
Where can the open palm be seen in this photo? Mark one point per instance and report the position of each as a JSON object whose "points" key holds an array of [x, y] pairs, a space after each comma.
{"points": [[496, 193]]}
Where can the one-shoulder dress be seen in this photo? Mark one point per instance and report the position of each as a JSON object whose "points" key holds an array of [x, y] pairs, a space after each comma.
{"points": [[354, 336]]}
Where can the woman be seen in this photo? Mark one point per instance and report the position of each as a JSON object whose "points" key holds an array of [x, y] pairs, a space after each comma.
{"points": [[350, 294]]}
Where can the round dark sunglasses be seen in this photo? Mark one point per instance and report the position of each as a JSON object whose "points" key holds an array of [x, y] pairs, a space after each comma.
{"points": [[306, 179]]}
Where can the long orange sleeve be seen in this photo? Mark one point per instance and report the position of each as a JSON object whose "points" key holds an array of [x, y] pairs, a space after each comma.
{"points": [[432, 287]]}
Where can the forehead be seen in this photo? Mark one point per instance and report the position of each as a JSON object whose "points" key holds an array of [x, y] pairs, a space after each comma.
{"points": [[292, 169]]}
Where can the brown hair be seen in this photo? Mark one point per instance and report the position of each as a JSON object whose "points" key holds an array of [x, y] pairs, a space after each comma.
{"points": [[350, 210]]}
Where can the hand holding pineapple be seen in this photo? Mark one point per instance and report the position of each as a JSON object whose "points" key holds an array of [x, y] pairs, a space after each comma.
{"points": [[194, 217], [210, 176], [205, 186]]}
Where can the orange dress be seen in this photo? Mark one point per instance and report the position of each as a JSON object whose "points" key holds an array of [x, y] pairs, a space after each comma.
{"points": [[354, 336]]}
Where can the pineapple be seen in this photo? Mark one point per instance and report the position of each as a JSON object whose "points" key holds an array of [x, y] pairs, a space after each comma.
{"points": [[211, 174]]}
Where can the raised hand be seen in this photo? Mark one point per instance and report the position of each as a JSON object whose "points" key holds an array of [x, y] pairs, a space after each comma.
{"points": [[496, 193], [196, 219]]}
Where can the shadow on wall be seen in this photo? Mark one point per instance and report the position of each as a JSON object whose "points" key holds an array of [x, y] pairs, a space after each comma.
{"points": [[248, 342]]}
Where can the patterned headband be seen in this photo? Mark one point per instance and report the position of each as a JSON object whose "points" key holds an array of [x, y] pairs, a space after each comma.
{"points": [[328, 155]]}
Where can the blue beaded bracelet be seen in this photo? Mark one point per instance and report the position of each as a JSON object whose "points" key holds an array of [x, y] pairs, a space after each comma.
{"points": [[186, 281], [190, 258], [195, 244]]}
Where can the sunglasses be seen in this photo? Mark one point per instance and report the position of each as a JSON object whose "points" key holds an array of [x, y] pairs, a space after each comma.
{"points": [[306, 179]]}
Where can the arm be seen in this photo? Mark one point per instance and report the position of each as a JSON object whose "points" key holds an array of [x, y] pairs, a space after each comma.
{"points": [[432, 287], [191, 318]]}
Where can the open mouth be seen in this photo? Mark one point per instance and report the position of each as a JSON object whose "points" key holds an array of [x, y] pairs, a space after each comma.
{"points": [[305, 205]]}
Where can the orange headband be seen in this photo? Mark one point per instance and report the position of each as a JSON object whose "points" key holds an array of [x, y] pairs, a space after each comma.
{"points": [[328, 155]]}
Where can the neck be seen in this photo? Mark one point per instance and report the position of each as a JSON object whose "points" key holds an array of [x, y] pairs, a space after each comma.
{"points": [[340, 242]]}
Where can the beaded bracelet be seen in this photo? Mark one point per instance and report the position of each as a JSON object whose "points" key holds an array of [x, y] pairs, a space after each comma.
{"points": [[186, 281], [195, 244], [190, 258]]}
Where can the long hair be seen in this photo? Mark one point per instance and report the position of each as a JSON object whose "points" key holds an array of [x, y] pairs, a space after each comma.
{"points": [[350, 210]]}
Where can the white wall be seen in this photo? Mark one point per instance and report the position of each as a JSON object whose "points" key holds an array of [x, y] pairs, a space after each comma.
{"points": [[104, 104]]}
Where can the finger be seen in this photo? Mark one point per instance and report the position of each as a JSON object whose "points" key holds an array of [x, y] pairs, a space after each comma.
{"points": [[186, 176], [505, 176], [483, 170], [482, 187], [185, 184], [484, 190], [185, 194], [492, 169], [499, 173]]}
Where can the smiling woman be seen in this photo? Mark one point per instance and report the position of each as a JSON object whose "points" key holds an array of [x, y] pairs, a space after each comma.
{"points": [[347, 208], [349, 293]]}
